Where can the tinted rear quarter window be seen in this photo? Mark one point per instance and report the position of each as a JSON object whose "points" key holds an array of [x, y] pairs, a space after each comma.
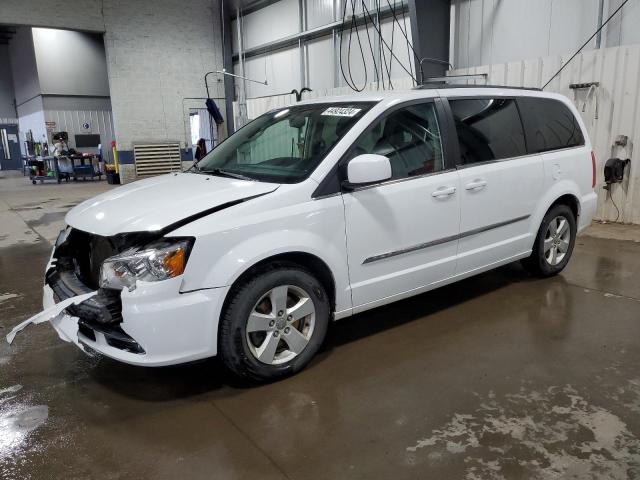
{"points": [[488, 129], [549, 125]]}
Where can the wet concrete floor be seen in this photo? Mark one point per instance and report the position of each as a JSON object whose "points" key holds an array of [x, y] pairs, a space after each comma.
{"points": [[499, 376]]}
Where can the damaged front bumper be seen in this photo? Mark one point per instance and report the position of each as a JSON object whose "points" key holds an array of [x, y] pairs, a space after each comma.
{"points": [[155, 324], [160, 326]]}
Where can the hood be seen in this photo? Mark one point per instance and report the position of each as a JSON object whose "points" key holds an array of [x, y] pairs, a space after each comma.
{"points": [[155, 203]]}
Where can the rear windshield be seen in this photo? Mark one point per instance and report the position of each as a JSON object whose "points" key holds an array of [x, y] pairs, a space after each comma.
{"points": [[548, 125], [283, 146]]}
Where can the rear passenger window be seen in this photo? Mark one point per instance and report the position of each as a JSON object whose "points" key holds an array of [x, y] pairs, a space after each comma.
{"points": [[488, 129], [549, 125], [409, 138]]}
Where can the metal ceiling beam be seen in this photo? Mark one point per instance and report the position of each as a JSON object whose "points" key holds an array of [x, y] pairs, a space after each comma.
{"points": [[248, 7], [324, 30]]}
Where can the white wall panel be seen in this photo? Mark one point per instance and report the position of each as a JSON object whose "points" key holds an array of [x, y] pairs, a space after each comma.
{"points": [[497, 31], [613, 110], [321, 66], [274, 22], [280, 68], [629, 21], [393, 36], [572, 22], [393, 39], [319, 54], [100, 123], [319, 12]]}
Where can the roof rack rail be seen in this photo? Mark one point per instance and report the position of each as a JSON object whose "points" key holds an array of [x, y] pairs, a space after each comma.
{"points": [[449, 85]]}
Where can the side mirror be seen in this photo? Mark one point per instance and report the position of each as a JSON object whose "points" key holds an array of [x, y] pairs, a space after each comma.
{"points": [[366, 169]]}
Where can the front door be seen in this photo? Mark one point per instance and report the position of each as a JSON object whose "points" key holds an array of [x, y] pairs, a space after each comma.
{"points": [[402, 233], [500, 183]]}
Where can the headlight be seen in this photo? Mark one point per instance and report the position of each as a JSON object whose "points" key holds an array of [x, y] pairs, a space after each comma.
{"points": [[157, 261]]}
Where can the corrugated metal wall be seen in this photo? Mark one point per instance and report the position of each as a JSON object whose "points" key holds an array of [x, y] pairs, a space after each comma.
{"points": [[71, 121], [282, 69], [497, 31], [617, 100]]}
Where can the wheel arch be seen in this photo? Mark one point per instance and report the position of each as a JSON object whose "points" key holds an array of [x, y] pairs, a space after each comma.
{"points": [[565, 193], [569, 200], [314, 264]]}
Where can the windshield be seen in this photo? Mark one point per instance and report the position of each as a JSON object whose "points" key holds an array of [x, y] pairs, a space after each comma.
{"points": [[283, 146]]}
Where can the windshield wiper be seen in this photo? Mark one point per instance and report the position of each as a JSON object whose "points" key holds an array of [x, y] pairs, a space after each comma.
{"points": [[226, 173]]}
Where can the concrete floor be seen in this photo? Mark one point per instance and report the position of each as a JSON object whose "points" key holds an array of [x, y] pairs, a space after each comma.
{"points": [[500, 376]]}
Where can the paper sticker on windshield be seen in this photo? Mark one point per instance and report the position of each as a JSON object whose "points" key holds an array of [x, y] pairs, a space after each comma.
{"points": [[341, 111]]}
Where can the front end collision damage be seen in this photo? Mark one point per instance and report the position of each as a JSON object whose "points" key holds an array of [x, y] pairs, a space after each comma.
{"points": [[169, 325], [48, 314]]}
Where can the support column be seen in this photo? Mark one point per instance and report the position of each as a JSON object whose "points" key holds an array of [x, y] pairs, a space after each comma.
{"points": [[227, 62], [430, 23]]}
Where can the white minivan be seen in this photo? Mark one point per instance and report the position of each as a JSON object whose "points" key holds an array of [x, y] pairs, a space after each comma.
{"points": [[318, 211]]}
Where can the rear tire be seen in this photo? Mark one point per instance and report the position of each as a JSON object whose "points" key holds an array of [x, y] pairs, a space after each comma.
{"points": [[274, 323], [554, 243]]}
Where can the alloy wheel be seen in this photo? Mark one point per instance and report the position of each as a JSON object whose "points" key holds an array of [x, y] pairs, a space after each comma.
{"points": [[280, 324], [557, 240]]}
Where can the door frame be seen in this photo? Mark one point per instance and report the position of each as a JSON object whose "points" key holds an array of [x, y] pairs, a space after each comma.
{"points": [[331, 184], [453, 133]]}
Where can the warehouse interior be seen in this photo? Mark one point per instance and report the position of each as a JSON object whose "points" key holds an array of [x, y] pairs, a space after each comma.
{"points": [[501, 375]]}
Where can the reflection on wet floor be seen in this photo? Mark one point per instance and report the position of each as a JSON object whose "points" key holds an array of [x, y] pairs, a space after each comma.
{"points": [[18, 420], [499, 376]]}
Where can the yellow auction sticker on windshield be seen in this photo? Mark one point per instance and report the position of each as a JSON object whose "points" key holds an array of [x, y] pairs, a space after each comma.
{"points": [[341, 111]]}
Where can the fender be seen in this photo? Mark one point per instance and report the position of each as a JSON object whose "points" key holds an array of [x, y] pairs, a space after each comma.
{"points": [[557, 190], [253, 252], [230, 242]]}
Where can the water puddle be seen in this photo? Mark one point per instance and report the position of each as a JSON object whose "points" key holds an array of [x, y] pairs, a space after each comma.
{"points": [[18, 419]]}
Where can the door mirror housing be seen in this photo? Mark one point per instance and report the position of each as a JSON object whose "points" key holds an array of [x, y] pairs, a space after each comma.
{"points": [[367, 169]]}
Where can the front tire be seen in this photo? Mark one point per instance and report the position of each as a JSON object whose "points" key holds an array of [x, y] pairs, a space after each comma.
{"points": [[274, 323], [554, 243]]}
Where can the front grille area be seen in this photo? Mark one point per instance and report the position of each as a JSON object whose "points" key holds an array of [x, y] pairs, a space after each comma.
{"points": [[76, 270], [84, 253], [113, 334], [104, 308]]}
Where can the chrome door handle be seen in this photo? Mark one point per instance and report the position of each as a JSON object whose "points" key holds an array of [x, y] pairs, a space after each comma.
{"points": [[443, 192], [477, 184]]}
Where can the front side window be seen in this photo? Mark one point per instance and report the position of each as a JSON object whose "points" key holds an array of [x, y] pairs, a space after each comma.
{"points": [[284, 146], [549, 125], [488, 129], [409, 138]]}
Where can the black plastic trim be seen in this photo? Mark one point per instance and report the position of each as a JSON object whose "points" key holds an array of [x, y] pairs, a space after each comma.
{"points": [[104, 308], [449, 86], [114, 335]]}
